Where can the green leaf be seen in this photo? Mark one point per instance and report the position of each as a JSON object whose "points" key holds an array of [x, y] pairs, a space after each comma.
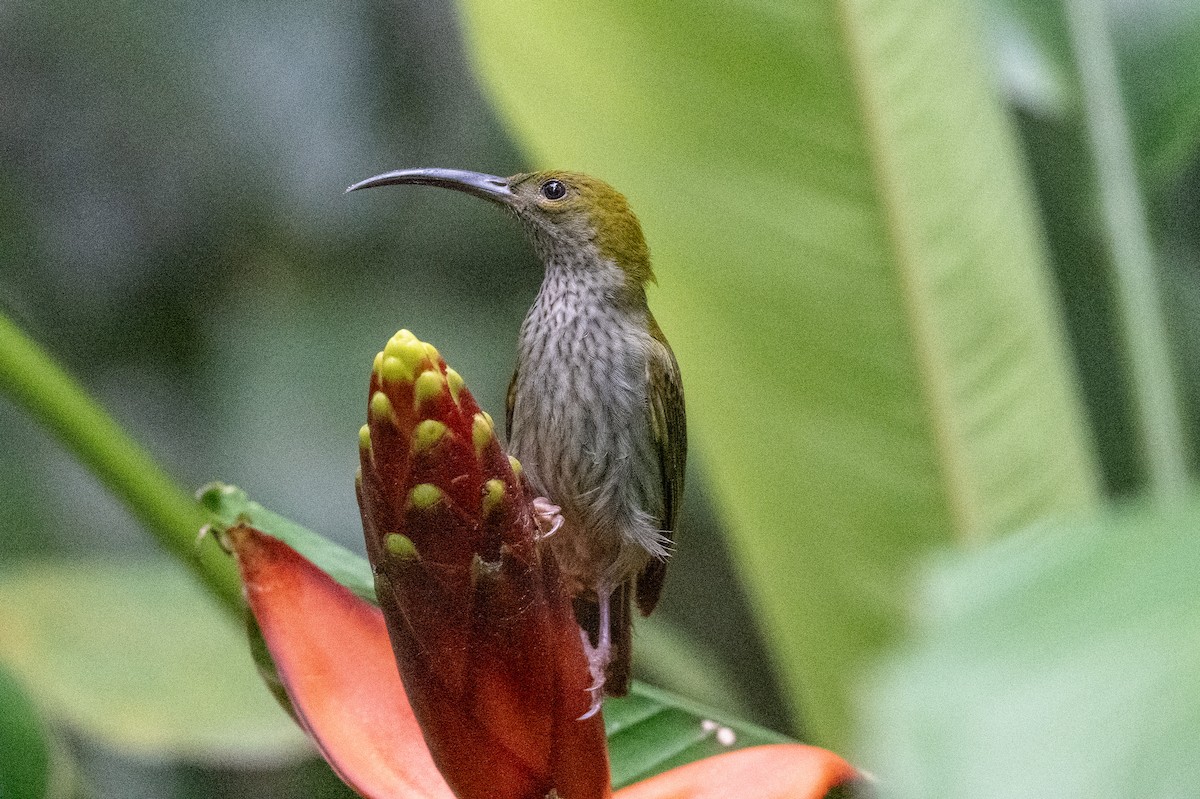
{"points": [[230, 505], [1061, 662], [25, 763], [651, 731], [134, 654], [1158, 50], [1086, 172], [1082, 167], [667, 656], [1135, 280], [1158, 44], [850, 275]]}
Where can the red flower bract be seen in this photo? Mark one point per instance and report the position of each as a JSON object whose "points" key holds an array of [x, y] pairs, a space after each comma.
{"points": [[486, 642]]}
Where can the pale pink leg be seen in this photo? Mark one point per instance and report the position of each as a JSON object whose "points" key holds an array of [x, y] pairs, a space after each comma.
{"points": [[598, 656], [604, 644]]}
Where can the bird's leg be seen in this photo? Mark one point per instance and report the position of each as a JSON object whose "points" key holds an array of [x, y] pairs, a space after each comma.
{"points": [[548, 517], [604, 643], [599, 655]]}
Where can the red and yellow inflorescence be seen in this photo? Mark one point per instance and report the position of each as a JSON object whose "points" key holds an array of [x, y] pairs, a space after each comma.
{"points": [[487, 644]]}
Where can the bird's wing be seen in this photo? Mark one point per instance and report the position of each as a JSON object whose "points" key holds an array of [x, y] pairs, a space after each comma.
{"points": [[668, 429], [509, 401]]}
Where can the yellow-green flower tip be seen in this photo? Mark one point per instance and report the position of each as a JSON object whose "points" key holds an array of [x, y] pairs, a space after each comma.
{"points": [[400, 546], [481, 431], [409, 354], [456, 382], [394, 370], [403, 336], [493, 495], [364, 437], [427, 433], [424, 495], [381, 407], [431, 352], [377, 365], [515, 464], [429, 385], [488, 416]]}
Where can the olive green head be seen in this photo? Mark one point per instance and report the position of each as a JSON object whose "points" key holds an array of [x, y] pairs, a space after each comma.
{"points": [[565, 214]]}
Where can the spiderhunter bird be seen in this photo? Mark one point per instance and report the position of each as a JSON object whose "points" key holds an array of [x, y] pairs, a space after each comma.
{"points": [[595, 406]]}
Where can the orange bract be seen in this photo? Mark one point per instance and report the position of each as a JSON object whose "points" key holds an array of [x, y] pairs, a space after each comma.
{"points": [[779, 771], [332, 653]]}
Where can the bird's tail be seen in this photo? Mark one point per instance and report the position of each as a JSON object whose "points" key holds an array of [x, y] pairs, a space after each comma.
{"points": [[620, 625]]}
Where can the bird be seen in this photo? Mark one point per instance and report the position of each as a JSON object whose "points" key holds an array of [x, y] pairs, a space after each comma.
{"points": [[595, 408]]}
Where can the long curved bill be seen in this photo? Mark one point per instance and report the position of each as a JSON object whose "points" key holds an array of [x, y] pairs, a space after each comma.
{"points": [[489, 187]]}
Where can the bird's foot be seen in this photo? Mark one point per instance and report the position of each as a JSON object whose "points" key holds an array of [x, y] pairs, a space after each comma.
{"points": [[599, 655], [597, 662], [548, 517]]}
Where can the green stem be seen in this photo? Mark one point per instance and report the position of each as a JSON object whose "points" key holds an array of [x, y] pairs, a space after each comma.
{"points": [[1143, 331], [35, 382]]}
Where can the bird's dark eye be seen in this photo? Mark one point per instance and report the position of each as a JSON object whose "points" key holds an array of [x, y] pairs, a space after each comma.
{"points": [[554, 190]]}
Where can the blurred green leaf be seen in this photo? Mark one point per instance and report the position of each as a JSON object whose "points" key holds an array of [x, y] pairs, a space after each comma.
{"points": [[651, 731], [1136, 290], [136, 655], [1158, 45], [1158, 50], [850, 275], [1060, 662], [667, 656], [1084, 168], [24, 746], [1063, 175], [1030, 55]]}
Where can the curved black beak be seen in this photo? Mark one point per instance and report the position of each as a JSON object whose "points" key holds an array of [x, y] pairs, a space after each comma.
{"points": [[489, 187]]}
